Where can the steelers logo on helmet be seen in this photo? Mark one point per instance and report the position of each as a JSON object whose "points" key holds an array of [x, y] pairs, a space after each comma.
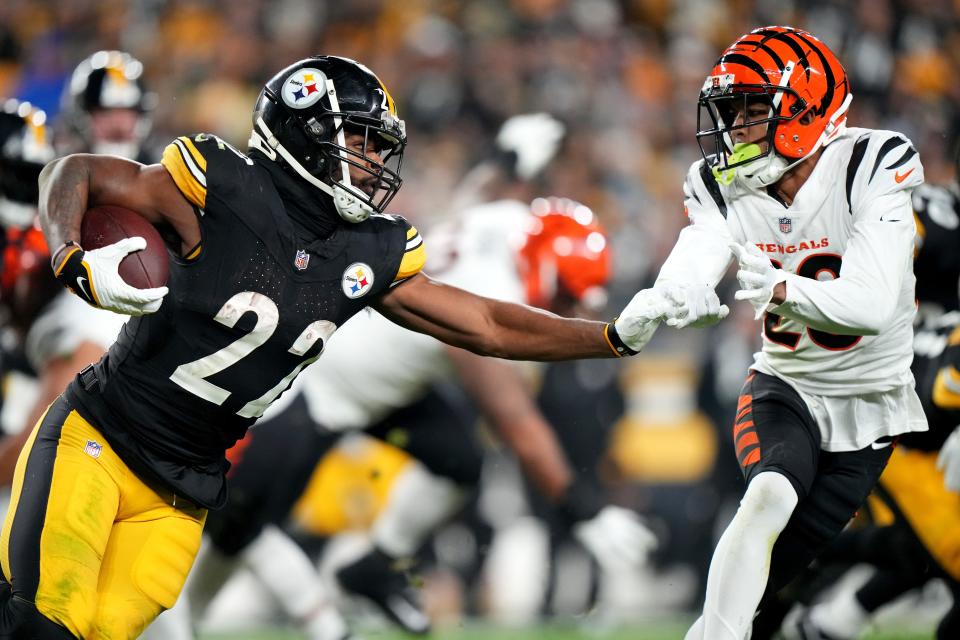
{"points": [[357, 280], [304, 88]]}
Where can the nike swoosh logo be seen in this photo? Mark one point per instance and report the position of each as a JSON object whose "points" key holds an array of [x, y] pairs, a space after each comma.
{"points": [[900, 178], [84, 292]]}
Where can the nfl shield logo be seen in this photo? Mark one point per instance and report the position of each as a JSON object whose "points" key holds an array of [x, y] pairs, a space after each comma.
{"points": [[93, 449], [302, 259], [786, 225]]}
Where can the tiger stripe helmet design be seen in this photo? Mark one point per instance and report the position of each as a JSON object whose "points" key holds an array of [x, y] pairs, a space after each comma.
{"points": [[800, 82]]}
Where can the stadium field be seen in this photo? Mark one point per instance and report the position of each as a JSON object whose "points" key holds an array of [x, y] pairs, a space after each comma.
{"points": [[653, 631]]}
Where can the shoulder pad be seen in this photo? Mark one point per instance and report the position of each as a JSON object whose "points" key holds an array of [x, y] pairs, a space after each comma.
{"points": [[414, 254], [187, 159], [702, 188], [880, 163]]}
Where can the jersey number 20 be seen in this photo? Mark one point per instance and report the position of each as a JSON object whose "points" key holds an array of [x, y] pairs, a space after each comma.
{"points": [[811, 267]]}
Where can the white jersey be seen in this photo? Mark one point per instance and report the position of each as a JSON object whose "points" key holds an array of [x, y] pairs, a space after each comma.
{"points": [[846, 243], [371, 366], [64, 324]]}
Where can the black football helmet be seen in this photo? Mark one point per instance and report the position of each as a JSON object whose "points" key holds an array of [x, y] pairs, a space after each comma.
{"points": [[301, 121], [108, 80], [24, 149]]}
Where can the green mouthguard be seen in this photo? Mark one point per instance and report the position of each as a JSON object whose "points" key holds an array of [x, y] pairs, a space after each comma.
{"points": [[742, 151]]}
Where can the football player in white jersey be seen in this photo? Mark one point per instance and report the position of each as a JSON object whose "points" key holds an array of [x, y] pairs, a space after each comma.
{"points": [[819, 217]]}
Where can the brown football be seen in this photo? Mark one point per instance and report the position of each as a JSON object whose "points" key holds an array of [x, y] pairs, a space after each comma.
{"points": [[108, 224]]}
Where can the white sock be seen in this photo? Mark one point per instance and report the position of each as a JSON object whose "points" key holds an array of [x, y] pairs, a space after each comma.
{"points": [[696, 630], [210, 572], [288, 573], [741, 562], [419, 502], [841, 616]]}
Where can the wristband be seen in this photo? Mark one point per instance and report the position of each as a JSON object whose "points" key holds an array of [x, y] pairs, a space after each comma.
{"points": [[56, 261], [617, 345], [581, 502], [73, 273]]}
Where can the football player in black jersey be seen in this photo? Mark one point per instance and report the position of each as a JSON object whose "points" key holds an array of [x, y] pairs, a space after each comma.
{"points": [[274, 250]]}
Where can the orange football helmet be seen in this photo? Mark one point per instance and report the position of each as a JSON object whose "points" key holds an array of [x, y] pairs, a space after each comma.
{"points": [[564, 252], [26, 282], [797, 78]]}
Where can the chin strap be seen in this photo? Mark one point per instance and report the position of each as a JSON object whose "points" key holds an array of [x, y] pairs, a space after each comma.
{"points": [[348, 205], [766, 171]]}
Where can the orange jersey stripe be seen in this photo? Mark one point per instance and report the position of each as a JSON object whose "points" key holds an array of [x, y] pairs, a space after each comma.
{"points": [[747, 439], [737, 428], [744, 401], [752, 457]]}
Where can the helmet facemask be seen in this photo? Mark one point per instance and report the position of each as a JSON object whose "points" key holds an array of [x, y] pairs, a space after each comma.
{"points": [[323, 143], [731, 107]]}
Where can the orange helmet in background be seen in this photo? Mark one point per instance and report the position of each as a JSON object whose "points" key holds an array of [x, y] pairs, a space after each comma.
{"points": [[564, 252], [26, 282], [800, 81]]}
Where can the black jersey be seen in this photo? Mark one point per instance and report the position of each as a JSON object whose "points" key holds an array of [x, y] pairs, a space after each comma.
{"points": [[936, 367], [937, 265], [242, 319]]}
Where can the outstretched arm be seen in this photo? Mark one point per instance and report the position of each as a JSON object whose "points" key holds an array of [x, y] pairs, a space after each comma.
{"points": [[490, 327]]}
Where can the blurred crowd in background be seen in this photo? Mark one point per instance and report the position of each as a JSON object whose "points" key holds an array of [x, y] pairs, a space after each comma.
{"points": [[623, 75]]}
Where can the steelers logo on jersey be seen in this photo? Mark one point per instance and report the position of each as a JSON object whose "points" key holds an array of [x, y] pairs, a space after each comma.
{"points": [[357, 280], [304, 88]]}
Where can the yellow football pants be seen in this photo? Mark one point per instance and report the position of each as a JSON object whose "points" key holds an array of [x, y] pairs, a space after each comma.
{"points": [[97, 550], [915, 486]]}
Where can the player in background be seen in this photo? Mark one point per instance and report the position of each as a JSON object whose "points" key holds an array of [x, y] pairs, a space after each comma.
{"points": [[105, 108], [274, 251], [819, 218], [377, 376]]}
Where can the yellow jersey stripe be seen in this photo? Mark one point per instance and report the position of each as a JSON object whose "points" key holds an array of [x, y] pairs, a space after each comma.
{"points": [[954, 338], [193, 254], [178, 161], [412, 263], [411, 232], [195, 153], [946, 388]]}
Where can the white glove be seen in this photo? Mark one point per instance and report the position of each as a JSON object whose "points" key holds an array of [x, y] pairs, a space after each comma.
{"points": [[698, 305], [93, 275], [640, 318], [615, 537], [949, 461], [757, 277]]}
